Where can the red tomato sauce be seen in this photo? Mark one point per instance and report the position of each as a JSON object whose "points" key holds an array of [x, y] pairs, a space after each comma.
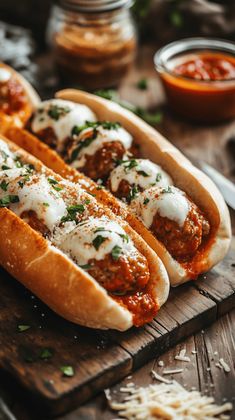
{"points": [[207, 67], [201, 87], [141, 304]]}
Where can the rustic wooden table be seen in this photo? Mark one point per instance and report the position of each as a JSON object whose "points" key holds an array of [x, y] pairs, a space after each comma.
{"points": [[211, 144]]}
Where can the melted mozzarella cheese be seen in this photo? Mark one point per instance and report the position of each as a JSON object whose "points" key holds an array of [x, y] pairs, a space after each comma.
{"points": [[104, 135], [5, 75], [74, 115], [144, 174], [35, 195], [6, 156], [172, 205], [78, 243]]}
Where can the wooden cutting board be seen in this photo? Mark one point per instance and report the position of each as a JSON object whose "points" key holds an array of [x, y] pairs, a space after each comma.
{"points": [[98, 358]]}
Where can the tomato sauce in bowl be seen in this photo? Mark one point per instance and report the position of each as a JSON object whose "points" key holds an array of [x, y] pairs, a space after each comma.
{"points": [[199, 78]]}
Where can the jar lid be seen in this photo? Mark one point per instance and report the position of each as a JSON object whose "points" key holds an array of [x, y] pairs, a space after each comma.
{"points": [[95, 6]]}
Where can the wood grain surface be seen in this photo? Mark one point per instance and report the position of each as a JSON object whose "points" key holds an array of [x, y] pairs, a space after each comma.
{"points": [[103, 358]]}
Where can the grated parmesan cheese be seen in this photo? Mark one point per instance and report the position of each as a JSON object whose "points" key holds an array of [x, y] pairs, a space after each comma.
{"points": [[224, 365], [168, 402], [172, 371], [159, 378]]}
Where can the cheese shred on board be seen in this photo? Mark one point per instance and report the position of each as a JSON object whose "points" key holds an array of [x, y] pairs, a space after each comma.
{"points": [[168, 402]]}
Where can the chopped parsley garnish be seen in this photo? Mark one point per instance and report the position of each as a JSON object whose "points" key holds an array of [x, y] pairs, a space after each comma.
{"points": [[9, 199], [99, 239], [4, 155], [128, 163], [99, 229], [167, 190], [86, 266], [67, 370], [72, 213], [158, 177], [4, 185], [84, 143], [54, 183], [56, 111], [23, 327], [30, 167], [116, 252], [107, 125], [133, 193], [56, 188], [22, 182], [149, 117], [143, 173], [77, 129], [5, 167], [90, 193], [18, 162], [142, 84], [46, 204], [46, 354], [124, 237], [146, 200]]}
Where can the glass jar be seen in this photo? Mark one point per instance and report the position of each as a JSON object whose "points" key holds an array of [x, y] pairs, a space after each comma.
{"points": [[94, 41]]}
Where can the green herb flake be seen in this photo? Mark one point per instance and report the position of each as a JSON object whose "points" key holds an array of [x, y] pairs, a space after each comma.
{"points": [[23, 327], [72, 213], [146, 200], [142, 84], [176, 19], [100, 229], [143, 173], [83, 143], [67, 370], [56, 111], [9, 199], [167, 190], [124, 237], [5, 167], [4, 185], [4, 155], [46, 204], [116, 252], [46, 354], [133, 193], [52, 181], [86, 266], [99, 239], [158, 177]]}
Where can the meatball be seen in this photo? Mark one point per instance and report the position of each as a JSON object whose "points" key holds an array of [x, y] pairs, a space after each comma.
{"points": [[12, 96], [99, 165], [182, 243], [119, 277], [123, 191], [31, 218]]}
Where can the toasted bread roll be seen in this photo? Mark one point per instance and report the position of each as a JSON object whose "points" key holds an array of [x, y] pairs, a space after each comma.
{"points": [[85, 263], [123, 153]]}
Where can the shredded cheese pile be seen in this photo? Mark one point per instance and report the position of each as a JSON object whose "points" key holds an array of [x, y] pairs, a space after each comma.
{"points": [[167, 402]]}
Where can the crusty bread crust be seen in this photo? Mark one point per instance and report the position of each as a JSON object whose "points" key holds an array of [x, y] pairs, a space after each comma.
{"points": [[185, 176], [60, 283]]}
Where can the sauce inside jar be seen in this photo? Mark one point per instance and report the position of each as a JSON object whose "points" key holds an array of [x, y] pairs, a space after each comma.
{"points": [[200, 86]]}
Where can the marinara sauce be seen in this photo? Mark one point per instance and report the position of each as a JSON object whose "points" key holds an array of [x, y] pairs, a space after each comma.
{"points": [[199, 84]]}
